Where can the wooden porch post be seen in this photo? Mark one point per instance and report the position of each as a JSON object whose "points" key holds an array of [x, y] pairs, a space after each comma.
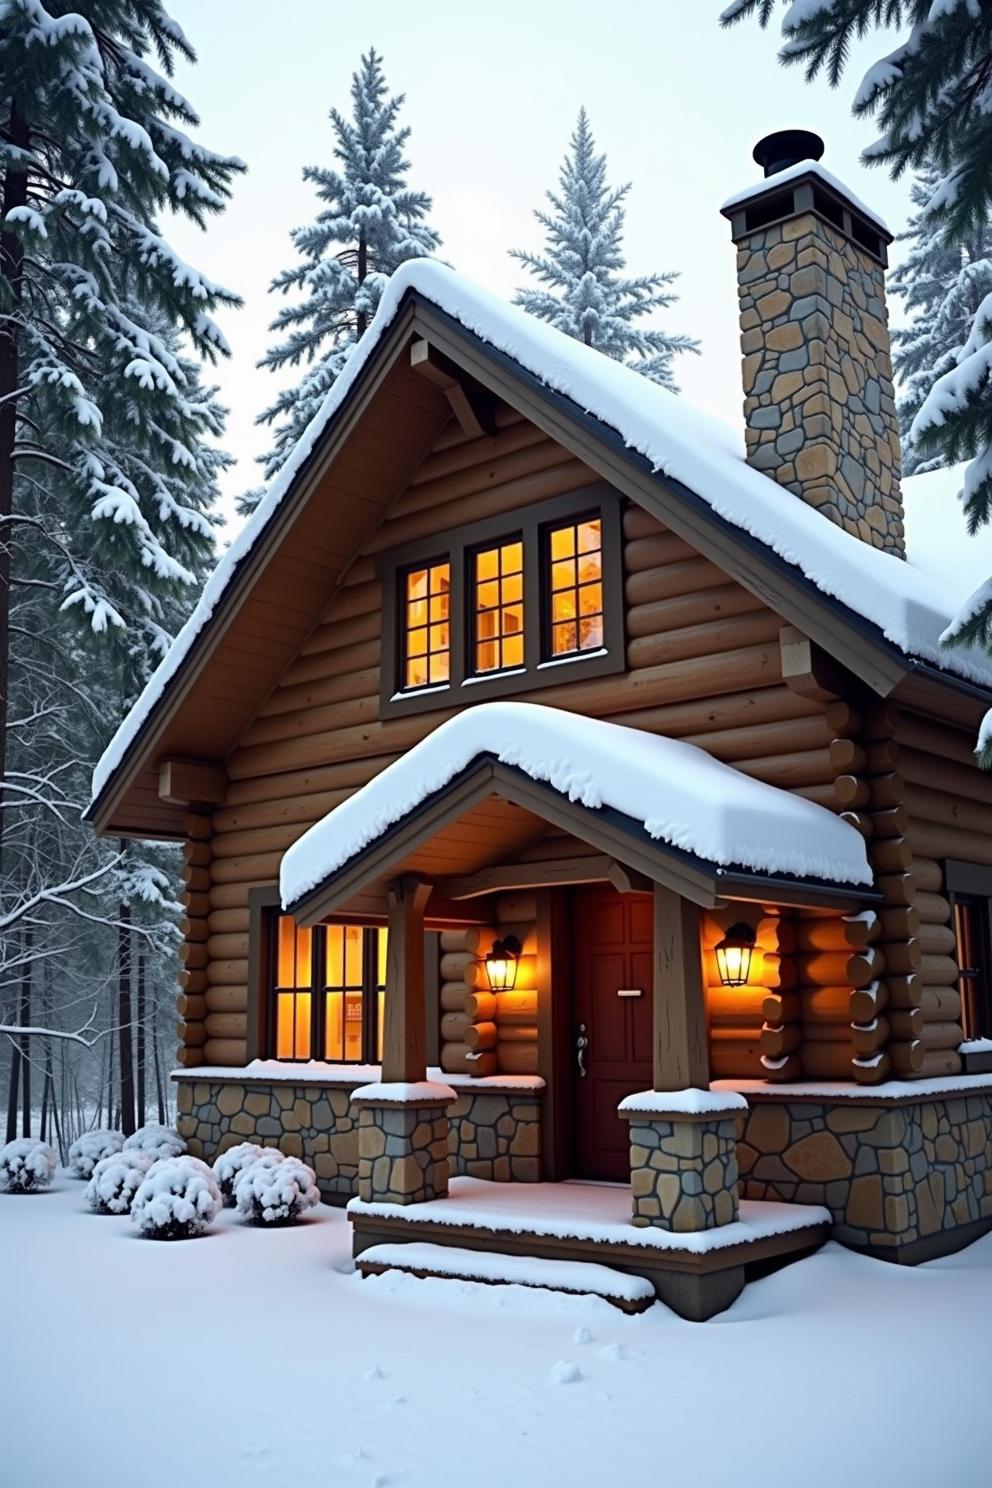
{"points": [[404, 1054], [681, 1057]]}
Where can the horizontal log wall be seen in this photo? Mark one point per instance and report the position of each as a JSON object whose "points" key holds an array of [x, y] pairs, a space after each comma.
{"points": [[704, 665], [744, 1021], [467, 1007]]}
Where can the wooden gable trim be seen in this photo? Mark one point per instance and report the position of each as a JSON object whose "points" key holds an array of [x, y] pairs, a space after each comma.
{"points": [[307, 479], [612, 833]]}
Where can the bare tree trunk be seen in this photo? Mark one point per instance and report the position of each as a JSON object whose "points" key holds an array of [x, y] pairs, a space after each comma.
{"points": [[26, 1023], [125, 1051], [15, 194], [142, 1036], [160, 1093], [363, 269], [13, 1090]]}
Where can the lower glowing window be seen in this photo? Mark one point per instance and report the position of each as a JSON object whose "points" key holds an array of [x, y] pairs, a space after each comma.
{"points": [[328, 992], [498, 586], [575, 573]]}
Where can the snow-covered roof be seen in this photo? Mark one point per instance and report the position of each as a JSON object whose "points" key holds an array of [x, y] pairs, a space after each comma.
{"points": [[793, 173], [677, 440], [681, 796]]}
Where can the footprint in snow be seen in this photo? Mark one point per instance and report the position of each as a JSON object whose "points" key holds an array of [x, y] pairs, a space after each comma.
{"points": [[565, 1372], [373, 1373], [613, 1353], [582, 1335]]}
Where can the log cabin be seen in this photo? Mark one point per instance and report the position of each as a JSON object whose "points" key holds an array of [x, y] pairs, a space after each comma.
{"points": [[565, 794]]}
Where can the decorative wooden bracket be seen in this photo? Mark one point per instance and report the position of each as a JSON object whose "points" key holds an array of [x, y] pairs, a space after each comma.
{"points": [[469, 409], [184, 782], [807, 670]]}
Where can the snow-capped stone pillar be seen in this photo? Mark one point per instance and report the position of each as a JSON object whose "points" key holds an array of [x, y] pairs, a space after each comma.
{"points": [[683, 1158], [403, 1141]]}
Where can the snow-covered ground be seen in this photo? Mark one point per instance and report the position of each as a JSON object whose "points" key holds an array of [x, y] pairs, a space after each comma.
{"points": [[253, 1357]]}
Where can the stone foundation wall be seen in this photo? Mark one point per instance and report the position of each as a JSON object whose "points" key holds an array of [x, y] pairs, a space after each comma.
{"points": [[891, 1175], [402, 1153], [493, 1135], [496, 1136], [316, 1123], [683, 1174]]}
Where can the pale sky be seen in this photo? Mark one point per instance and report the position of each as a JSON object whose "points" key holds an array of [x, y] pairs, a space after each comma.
{"points": [[492, 95]]}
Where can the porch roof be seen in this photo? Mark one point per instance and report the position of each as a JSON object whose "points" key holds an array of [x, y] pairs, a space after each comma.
{"points": [[660, 807]]}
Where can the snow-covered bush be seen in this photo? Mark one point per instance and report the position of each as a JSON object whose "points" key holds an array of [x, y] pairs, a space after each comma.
{"points": [[232, 1163], [87, 1150], [115, 1181], [26, 1165], [276, 1194], [160, 1141], [176, 1200]]}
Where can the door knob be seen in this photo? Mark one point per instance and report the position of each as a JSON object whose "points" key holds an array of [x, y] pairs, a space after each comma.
{"points": [[581, 1045]]}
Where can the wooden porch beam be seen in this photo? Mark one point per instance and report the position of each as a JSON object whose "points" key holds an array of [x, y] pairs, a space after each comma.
{"points": [[469, 410], [404, 1054], [681, 1056], [586, 869], [187, 782], [808, 671]]}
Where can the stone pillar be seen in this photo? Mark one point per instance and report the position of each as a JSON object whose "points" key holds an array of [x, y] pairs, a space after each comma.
{"points": [[403, 1142], [683, 1158]]}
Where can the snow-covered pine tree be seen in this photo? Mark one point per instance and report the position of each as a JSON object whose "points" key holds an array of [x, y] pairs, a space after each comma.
{"points": [[107, 480], [942, 285], [587, 295], [94, 144], [371, 222]]}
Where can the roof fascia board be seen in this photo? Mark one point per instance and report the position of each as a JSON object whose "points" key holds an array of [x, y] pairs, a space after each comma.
{"points": [[851, 640], [312, 472]]}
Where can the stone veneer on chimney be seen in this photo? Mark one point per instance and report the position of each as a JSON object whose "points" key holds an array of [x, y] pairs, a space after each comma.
{"points": [[819, 403]]}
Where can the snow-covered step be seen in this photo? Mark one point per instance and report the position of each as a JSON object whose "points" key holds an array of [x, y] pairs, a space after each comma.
{"points": [[419, 1258]]}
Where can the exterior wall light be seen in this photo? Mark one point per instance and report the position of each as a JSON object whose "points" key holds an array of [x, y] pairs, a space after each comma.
{"points": [[733, 955], [501, 964]]}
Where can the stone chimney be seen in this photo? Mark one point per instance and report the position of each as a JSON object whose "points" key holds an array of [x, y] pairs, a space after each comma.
{"points": [[819, 404]]}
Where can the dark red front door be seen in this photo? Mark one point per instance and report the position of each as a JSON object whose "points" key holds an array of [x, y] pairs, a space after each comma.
{"points": [[611, 970]]}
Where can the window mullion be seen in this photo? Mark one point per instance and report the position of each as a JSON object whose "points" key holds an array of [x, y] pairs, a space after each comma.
{"points": [[317, 997]]}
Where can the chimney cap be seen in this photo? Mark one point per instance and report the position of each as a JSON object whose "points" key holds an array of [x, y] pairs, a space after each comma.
{"points": [[786, 147]]}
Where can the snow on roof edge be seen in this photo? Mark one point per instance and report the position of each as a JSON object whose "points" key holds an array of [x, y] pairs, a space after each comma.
{"points": [[682, 796], [677, 440]]}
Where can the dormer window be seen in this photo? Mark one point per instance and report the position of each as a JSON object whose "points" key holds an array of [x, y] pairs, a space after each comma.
{"points": [[506, 605]]}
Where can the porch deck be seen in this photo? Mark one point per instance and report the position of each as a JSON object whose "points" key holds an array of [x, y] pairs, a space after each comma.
{"points": [[696, 1274]]}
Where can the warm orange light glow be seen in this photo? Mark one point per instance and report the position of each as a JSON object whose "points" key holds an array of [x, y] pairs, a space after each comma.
{"points": [[576, 587], [293, 1025], [294, 960], [501, 964], [733, 955], [426, 626], [499, 608]]}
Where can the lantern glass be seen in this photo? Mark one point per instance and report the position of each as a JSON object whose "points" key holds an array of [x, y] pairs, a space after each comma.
{"points": [[501, 964], [733, 955]]}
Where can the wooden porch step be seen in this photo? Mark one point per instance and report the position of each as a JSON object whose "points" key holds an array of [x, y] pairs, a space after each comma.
{"points": [[582, 1278]]}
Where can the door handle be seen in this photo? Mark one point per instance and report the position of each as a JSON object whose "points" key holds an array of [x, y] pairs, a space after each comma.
{"points": [[581, 1045]]}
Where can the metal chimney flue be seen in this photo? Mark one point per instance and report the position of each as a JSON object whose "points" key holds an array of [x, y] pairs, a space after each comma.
{"points": [[787, 147]]}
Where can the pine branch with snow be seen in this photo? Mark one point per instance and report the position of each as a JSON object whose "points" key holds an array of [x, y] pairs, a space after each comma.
{"points": [[585, 293], [371, 221]]}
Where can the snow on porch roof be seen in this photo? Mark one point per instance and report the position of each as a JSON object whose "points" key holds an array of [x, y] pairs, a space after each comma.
{"points": [[905, 604], [678, 793]]}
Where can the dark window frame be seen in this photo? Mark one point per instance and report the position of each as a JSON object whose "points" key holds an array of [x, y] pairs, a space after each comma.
{"points": [[458, 547], [970, 885]]}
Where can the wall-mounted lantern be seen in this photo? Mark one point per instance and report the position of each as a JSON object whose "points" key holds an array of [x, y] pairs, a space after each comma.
{"points": [[501, 964], [733, 955]]}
